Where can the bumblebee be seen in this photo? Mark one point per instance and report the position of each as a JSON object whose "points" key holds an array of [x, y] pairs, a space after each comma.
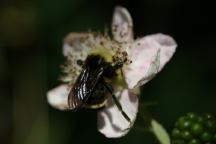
{"points": [[90, 88]]}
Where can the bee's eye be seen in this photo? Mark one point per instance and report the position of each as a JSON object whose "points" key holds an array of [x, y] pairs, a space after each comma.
{"points": [[80, 62]]}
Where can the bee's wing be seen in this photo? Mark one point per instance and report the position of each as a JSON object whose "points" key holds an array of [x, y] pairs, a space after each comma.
{"points": [[83, 87]]}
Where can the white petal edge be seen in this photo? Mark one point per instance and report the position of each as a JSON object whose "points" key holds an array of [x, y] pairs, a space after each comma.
{"points": [[111, 122], [144, 53], [58, 97], [122, 25], [73, 43]]}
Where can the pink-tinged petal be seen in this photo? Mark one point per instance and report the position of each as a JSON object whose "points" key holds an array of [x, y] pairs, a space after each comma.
{"points": [[148, 55], [111, 122], [122, 25], [73, 44], [58, 97]]}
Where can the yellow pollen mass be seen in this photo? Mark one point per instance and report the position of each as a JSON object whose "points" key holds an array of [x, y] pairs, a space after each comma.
{"points": [[104, 52]]}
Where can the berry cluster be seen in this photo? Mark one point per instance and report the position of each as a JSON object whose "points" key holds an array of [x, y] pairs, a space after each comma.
{"points": [[195, 129]]}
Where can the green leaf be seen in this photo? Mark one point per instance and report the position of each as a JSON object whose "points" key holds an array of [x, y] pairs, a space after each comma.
{"points": [[160, 132]]}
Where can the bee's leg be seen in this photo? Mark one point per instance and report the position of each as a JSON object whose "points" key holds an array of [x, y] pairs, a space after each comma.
{"points": [[109, 88], [80, 62]]}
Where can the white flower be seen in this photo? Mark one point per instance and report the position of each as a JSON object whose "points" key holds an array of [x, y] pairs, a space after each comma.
{"points": [[145, 57]]}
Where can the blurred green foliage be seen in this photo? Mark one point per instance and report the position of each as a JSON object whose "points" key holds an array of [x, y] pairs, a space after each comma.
{"points": [[31, 34]]}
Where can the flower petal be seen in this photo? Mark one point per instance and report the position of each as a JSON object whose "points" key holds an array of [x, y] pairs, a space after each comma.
{"points": [[73, 43], [75, 48], [122, 25], [148, 55], [111, 122], [58, 97]]}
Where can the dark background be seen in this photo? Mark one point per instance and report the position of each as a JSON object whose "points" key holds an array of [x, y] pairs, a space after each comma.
{"points": [[31, 33]]}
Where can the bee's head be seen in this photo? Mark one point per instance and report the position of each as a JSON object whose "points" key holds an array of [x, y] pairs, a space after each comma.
{"points": [[95, 61]]}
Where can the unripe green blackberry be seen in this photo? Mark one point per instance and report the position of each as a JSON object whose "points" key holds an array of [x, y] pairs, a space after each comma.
{"points": [[195, 129], [194, 141]]}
